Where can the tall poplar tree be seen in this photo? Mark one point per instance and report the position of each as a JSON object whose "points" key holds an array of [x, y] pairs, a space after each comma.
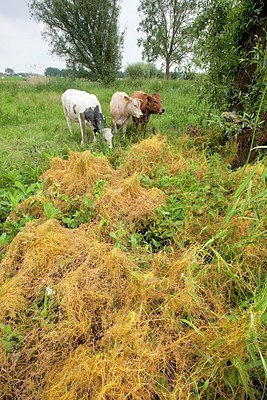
{"points": [[83, 32], [165, 25]]}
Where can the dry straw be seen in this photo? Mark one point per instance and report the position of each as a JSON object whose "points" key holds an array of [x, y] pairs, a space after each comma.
{"points": [[147, 156], [129, 201], [85, 320], [77, 175]]}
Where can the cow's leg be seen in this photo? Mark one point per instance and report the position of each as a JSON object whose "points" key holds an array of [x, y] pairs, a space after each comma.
{"points": [[114, 126], [68, 119], [124, 128], [136, 122], [84, 136], [144, 124]]}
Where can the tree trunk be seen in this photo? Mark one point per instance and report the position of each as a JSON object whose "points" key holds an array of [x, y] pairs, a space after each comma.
{"points": [[247, 43], [167, 70], [244, 144], [246, 78]]}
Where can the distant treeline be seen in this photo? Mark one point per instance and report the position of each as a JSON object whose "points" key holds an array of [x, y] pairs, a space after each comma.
{"points": [[137, 70]]}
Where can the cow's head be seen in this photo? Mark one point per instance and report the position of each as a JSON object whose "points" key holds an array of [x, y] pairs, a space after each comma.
{"points": [[133, 106], [155, 104], [108, 135], [95, 117]]}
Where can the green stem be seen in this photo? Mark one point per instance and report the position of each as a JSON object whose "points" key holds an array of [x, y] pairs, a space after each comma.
{"points": [[255, 125]]}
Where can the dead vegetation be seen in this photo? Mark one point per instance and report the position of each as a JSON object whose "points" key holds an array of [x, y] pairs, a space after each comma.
{"points": [[83, 317]]}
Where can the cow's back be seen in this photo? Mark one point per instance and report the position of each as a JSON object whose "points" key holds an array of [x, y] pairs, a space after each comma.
{"points": [[117, 104], [77, 101]]}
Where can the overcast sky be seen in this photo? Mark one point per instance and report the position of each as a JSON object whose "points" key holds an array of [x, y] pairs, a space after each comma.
{"points": [[23, 49]]}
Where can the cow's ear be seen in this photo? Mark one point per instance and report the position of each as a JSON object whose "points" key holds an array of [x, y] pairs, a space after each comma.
{"points": [[140, 101], [126, 98]]}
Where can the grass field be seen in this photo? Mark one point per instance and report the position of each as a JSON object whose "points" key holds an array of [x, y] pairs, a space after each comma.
{"points": [[136, 273], [32, 126]]}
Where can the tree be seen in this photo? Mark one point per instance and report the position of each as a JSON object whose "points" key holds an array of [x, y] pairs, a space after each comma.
{"points": [[165, 24], [50, 71], [232, 48], [83, 32], [142, 70], [9, 71]]}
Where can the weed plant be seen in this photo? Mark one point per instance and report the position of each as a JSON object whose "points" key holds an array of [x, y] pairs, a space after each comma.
{"points": [[134, 274]]}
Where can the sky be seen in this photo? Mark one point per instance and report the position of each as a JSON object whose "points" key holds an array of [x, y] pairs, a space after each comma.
{"points": [[23, 49]]}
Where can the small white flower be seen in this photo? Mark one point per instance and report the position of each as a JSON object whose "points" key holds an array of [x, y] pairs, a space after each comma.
{"points": [[182, 275], [49, 291]]}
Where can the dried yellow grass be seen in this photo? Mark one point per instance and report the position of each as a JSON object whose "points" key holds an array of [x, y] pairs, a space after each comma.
{"points": [[128, 201], [77, 175], [147, 156], [34, 254], [120, 324], [119, 331], [33, 206], [103, 303]]}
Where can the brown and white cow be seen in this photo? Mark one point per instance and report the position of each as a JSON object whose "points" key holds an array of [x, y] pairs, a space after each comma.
{"points": [[149, 105], [122, 107]]}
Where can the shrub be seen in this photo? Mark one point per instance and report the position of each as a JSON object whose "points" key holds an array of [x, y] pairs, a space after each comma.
{"points": [[142, 70]]}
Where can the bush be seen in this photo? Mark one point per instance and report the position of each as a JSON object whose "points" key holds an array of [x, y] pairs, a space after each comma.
{"points": [[142, 70]]}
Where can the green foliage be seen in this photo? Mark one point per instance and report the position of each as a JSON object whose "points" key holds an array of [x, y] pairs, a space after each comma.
{"points": [[14, 188], [85, 37], [9, 71], [50, 71], [231, 46], [12, 339], [165, 25], [74, 216], [33, 130], [163, 230], [42, 308], [189, 200], [142, 70]]}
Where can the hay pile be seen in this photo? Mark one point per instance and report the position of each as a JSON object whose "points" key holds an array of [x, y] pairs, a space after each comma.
{"points": [[75, 177], [151, 156], [129, 201], [84, 319]]}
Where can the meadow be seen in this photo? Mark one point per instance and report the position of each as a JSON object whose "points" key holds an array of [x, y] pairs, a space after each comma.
{"points": [[135, 273], [33, 128]]}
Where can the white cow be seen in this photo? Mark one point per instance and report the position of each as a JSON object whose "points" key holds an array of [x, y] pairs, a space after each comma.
{"points": [[122, 107], [85, 108]]}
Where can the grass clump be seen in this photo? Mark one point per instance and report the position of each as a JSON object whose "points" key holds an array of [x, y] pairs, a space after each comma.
{"points": [[147, 156], [77, 175], [129, 201]]}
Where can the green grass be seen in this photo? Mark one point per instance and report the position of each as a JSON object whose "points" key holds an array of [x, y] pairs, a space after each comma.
{"points": [[33, 126]]}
